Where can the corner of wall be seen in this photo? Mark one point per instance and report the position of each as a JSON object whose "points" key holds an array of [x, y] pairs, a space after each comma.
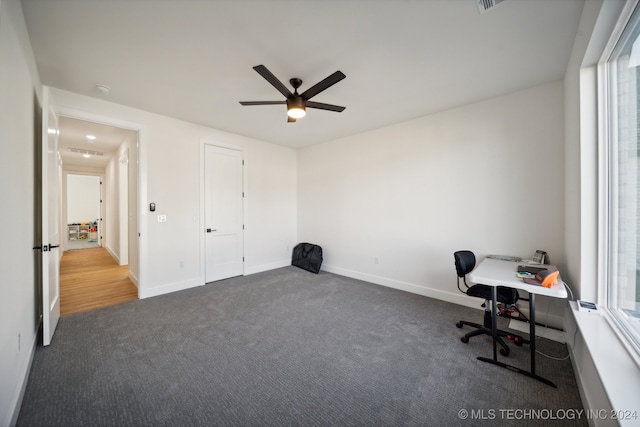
{"points": [[12, 418]]}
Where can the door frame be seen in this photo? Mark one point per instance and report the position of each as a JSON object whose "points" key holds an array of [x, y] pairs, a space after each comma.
{"points": [[142, 178], [203, 262]]}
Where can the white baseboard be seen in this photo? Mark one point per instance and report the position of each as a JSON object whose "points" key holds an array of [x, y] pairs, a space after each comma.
{"points": [[454, 297], [134, 279], [168, 288], [266, 267], [192, 283], [112, 253], [16, 401]]}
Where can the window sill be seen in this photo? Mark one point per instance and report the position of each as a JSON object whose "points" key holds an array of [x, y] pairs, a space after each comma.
{"points": [[616, 369]]}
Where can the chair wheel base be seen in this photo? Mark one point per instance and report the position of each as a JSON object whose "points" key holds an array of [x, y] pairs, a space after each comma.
{"points": [[505, 352], [459, 325], [464, 340]]}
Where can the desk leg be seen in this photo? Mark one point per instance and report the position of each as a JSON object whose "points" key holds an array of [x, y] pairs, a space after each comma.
{"points": [[532, 331], [494, 320], [532, 340]]}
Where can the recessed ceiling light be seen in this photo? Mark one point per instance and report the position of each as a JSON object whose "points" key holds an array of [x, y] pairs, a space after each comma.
{"points": [[104, 89], [86, 155], [90, 137]]}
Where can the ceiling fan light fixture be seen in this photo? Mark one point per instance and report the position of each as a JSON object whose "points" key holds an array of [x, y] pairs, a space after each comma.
{"points": [[296, 108], [297, 103], [296, 112]]}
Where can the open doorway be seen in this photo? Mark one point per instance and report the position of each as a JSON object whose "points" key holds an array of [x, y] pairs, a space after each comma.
{"points": [[99, 191], [83, 194]]}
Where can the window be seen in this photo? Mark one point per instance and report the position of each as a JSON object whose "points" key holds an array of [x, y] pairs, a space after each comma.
{"points": [[620, 178]]}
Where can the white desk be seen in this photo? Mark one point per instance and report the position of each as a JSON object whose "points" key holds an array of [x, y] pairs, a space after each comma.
{"points": [[494, 272]]}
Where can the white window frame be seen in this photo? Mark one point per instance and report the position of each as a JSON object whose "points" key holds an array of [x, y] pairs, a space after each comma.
{"points": [[605, 134]]}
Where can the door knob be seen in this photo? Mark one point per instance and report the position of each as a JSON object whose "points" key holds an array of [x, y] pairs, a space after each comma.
{"points": [[210, 230]]}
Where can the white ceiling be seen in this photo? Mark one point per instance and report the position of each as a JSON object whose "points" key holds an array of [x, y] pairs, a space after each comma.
{"points": [[73, 134], [193, 59]]}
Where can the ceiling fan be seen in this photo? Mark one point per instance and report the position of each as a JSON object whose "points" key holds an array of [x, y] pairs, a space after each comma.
{"points": [[298, 103]]}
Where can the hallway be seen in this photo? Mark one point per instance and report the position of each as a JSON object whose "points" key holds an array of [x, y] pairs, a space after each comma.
{"points": [[90, 279]]}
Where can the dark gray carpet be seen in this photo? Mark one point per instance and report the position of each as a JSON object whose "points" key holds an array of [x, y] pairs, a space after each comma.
{"points": [[286, 347]]}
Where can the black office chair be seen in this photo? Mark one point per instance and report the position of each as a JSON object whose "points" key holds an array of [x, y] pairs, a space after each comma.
{"points": [[465, 262]]}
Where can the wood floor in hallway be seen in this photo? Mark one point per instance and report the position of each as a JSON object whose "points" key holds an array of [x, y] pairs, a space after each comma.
{"points": [[90, 279]]}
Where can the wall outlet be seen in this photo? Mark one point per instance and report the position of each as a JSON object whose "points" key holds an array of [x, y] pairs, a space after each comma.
{"points": [[181, 264], [376, 260], [588, 307], [162, 218]]}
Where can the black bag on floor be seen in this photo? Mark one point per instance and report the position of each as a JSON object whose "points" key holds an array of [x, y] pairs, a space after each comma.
{"points": [[307, 256]]}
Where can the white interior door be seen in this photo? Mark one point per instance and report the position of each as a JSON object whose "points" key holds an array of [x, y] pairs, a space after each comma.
{"points": [[224, 252], [50, 187]]}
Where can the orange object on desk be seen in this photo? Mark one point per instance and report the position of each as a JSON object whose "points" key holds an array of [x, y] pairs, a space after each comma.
{"points": [[546, 278]]}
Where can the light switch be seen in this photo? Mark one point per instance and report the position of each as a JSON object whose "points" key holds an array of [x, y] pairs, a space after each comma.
{"points": [[162, 218]]}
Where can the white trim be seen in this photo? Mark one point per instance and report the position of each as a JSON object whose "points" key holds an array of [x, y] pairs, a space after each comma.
{"points": [[134, 279], [606, 110], [602, 160], [604, 367], [616, 33], [452, 297], [404, 286], [16, 400], [113, 254], [143, 137], [245, 154], [169, 288], [267, 267]]}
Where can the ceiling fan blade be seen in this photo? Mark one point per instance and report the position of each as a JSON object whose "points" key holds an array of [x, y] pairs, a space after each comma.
{"points": [[324, 84], [321, 106], [268, 76], [262, 102], [290, 119]]}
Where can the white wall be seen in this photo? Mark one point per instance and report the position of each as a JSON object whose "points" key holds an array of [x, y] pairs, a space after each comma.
{"points": [[485, 177], [169, 151], [83, 198], [132, 203], [408, 194], [68, 170], [119, 181], [123, 194], [111, 220], [18, 293]]}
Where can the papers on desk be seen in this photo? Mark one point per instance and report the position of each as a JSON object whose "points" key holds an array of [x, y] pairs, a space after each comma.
{"points": [[505, 258], [546, 278], [527, 269], [525, 275], [540, 276]]}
